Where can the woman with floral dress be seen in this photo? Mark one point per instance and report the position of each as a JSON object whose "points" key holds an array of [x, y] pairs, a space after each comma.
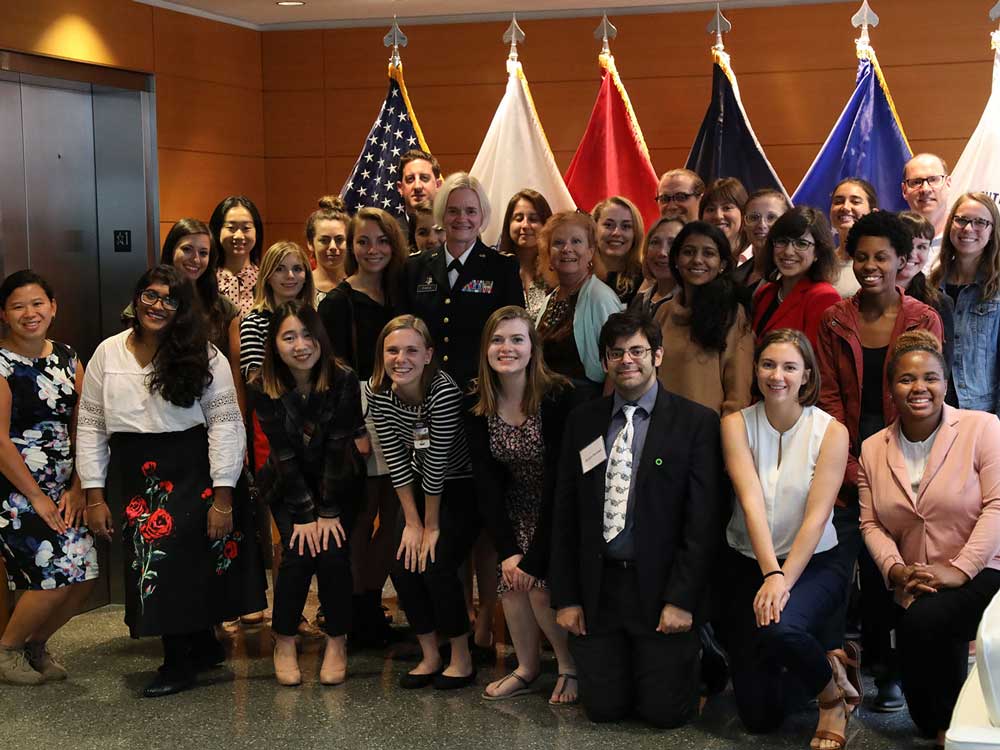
{"points": [[161, 436], [48, 552]]}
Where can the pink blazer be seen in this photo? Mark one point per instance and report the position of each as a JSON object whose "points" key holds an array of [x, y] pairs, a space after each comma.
{"points": [[955, 515]]}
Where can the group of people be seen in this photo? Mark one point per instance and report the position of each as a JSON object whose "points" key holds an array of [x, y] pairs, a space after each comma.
{"points": [[670, 452]]}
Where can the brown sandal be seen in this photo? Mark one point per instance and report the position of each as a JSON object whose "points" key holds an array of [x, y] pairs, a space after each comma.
{"points": [[826, 734], [849, 659]]}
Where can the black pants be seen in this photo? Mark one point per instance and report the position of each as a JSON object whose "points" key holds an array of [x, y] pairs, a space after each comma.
{"points": [[624, 665], [332, 569], [876, 605], [181, 651], [434, 601], [784, 661], [933, 637]]}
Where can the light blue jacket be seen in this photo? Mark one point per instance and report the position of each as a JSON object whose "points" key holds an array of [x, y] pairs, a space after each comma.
{"points": [[975, 366], [594, 305]]}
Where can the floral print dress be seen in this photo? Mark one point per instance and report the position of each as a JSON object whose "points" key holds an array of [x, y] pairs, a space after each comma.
{"points": [[43, 396]]}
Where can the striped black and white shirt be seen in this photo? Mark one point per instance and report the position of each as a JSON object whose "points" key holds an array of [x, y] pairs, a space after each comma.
{"points": [[441, 411], [253, 336]]}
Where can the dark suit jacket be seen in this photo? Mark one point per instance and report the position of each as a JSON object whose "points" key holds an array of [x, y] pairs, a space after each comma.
{"points": [[677, 507], [493, 478], [456, 318]]}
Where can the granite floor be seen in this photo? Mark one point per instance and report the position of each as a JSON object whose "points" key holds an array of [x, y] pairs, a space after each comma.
{"points": [[240, 705]]}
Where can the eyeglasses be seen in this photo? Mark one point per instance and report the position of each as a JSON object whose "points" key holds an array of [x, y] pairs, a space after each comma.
{"points": [[666, 198], [979, 224], [635, 352], [149, 298], [798, 243], [756, 218], [933, 181]]}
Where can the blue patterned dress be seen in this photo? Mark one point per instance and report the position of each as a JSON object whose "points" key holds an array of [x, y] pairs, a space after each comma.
{"points": [[43, 395]]}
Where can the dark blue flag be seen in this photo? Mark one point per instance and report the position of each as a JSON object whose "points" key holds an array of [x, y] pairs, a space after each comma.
{"points": [[867, 142], [726, 145], [376, 172]]}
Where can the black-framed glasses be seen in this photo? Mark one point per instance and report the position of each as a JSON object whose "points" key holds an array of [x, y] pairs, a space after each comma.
{"points": [[934, 180], [666, 198], [149, 298], [979, 224], [799, 243], [635, 352]]}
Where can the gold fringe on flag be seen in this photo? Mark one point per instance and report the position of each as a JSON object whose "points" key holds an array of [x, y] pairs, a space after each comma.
{"points": [[396, 73]]}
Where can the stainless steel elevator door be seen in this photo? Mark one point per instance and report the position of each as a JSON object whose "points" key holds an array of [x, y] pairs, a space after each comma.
{"points": [[61, 193]]}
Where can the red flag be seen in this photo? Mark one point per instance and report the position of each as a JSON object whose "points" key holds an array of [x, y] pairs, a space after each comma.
{"points": [[612, 158]]}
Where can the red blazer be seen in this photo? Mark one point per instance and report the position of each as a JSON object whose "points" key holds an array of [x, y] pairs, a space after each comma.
{"points": [[801, 310], [841, 369]]}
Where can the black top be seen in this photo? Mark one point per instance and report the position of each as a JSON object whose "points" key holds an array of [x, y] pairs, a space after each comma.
{"points": [[457, 315], [312, 468], [353, 321], [872, 388], [492, 478], [626, 287]]}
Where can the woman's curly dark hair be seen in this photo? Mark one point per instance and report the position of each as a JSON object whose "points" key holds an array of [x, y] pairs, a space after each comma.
{"points": [[715, 305], [180, 366]]}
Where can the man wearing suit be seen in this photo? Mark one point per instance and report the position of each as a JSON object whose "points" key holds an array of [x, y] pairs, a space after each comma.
{"points": [[456, 287], [634, 534]]}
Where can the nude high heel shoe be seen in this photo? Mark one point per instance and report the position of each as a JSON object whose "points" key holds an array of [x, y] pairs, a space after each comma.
{"points": [[286, 664]]}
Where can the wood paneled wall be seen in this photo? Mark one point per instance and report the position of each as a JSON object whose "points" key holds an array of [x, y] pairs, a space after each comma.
{"points": [[281, 116], [795, 68]]}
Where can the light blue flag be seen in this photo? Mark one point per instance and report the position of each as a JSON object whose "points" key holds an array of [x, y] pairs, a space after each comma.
{"points": [[867, 142]]}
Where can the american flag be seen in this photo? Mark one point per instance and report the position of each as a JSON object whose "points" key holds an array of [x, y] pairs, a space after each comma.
{"points": [[376, 172]]}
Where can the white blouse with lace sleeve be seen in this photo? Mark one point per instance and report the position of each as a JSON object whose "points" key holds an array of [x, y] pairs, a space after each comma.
{"points": [[116, 399]]}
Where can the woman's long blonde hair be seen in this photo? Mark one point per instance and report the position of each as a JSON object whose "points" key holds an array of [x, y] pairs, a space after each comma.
{"points": [[263, 296], [989, 263], [540, 379]]}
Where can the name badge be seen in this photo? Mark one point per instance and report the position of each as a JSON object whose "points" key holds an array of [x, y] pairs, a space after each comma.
{"points": [[429, 285], [593, 455], [479, 286], [421, 435]]}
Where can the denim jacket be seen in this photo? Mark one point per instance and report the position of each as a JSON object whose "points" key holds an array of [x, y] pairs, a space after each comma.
{"points": [[975, 366]]}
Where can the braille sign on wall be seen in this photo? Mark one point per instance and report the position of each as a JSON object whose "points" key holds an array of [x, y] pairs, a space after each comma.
{"points": [[123, 240]]}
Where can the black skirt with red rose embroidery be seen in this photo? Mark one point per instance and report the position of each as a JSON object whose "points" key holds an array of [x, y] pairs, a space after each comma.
{"points": [[177, 580]]}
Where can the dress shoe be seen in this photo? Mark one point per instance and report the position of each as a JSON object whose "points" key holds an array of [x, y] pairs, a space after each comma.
{"points": [[409, 681], [168, 683], [714, 662], [889, 698], [286, 666], [333, 670], [444, 682]]}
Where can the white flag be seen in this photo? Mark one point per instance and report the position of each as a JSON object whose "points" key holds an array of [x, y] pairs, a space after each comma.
{"points": [[515, 155], [979, 166]]}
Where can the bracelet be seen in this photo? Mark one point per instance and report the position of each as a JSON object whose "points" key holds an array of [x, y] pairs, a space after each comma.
{"points": [[94, 505], [774, 573], [220, 510]]}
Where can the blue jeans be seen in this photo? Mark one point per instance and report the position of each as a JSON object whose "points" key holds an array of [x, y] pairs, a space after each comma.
{"points": [[771, 664]]}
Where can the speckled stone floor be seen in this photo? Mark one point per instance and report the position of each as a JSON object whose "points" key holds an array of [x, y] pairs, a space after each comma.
{"points": [[240, 706]]}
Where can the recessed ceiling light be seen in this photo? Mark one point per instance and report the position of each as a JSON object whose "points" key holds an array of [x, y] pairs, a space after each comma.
{"points": [[290, 3]]}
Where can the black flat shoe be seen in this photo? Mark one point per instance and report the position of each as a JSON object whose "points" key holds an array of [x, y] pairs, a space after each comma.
{"points": [[889, 698], [714, 662], [444, 682], [416, 681], [168, 684]]}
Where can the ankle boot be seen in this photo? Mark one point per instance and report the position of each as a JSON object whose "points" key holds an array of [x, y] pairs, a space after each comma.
{"points": [[44, 663], [16, 669]]}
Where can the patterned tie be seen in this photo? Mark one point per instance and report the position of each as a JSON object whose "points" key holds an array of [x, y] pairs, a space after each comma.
{"points": [[618, 477]]}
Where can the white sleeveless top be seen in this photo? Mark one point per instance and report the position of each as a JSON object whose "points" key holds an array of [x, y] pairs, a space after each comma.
{"points": [[785, 487]]}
